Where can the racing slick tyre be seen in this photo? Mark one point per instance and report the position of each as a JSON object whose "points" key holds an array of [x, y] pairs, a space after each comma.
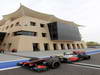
{"points": [[53, 62], [55, 65]]}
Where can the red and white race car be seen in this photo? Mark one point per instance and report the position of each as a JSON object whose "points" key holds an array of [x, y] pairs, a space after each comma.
{"points": [[74, 56]]}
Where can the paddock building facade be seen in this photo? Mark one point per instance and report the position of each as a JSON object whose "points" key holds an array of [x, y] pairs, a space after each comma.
{"points": [[29, 30]]}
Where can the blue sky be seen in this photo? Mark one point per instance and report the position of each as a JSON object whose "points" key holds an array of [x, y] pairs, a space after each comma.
{"points": [[83, 12]]}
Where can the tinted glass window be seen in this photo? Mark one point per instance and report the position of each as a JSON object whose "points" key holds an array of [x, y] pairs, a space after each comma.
{"points": [[28, 33]]}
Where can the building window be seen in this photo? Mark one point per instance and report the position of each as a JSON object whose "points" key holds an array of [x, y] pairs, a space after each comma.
{"points": [[27, 33], [9, 46], [78, 46], [68, 46], [46, 46], [42, 25], [55, 46], [43, 34], [36, 47], [32, 23], [62, 46], [7, 27], [34, 33], [11, 25], [73, 46], [17, 24]]}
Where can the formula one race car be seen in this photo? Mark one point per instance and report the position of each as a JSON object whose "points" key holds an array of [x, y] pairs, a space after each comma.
{"points": [[41, 64], [82, 55], [53, 62], [74, 57], [68, 58]]}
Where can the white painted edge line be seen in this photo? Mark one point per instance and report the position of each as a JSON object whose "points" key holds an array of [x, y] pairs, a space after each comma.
{"points": [[9, 68], [12, 60], [84, 66]]}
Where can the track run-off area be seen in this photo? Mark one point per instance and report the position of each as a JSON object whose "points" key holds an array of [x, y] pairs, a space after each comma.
{"points": [[11, 64]]}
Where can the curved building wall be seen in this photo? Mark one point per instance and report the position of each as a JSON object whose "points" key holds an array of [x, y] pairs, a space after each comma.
{"points": [[26, 43]]}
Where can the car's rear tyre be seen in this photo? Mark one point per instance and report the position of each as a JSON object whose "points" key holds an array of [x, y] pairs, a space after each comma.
{"points": [[55, 65]]}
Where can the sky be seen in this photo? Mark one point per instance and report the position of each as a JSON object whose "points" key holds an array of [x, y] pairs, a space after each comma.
{"points": [[82, 12]]}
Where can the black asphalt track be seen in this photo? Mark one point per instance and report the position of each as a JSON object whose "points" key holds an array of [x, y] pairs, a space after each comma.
{"points": [[95, 59], [64, 69]]}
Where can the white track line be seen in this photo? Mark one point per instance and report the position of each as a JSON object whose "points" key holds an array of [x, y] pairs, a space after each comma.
{"points": [[86, 66], [9, 68]]}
